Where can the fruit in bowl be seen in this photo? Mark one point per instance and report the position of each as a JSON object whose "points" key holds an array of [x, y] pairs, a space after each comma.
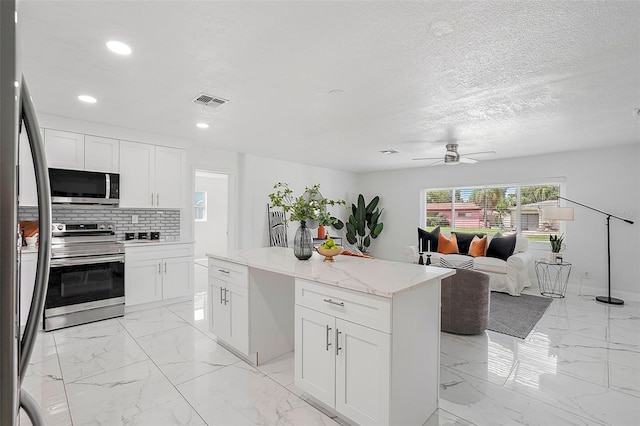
{"points": [[329, 249]]}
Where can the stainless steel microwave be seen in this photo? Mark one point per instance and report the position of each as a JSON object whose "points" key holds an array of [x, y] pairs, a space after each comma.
{"points": [[84, 187]]}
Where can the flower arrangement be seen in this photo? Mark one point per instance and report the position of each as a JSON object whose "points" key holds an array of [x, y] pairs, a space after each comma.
{"points": [[556, 242], [310, 206]]}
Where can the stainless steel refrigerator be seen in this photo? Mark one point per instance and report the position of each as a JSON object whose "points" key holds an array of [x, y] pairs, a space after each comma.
{"points": [[17, 114]]}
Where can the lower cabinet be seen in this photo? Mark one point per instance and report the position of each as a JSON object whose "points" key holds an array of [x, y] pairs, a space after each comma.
{"points": [[158, 273], [343, 365], [230, 313]]}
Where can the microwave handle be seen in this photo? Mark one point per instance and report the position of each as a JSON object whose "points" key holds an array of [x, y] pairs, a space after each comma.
{"points": [[107, 190], [28, 116]]}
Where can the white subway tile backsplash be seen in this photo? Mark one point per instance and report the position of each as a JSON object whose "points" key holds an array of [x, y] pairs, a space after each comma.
{"points": [[167, 222]]}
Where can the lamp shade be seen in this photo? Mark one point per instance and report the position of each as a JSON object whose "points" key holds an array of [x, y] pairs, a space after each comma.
{"points": [[557, 213]]}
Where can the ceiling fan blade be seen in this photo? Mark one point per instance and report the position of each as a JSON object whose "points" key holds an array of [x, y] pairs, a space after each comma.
{"points": [[436, 163], [477, 153], [427, 158], [467, 160]]}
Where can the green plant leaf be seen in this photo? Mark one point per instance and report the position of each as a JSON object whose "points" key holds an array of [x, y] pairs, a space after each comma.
{"points": [[367, 241], [351, 238], [377, 230], [372, 204], [337, 223]]}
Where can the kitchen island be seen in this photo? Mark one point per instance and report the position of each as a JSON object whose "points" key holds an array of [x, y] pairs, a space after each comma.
{"points": [[366, 332]]}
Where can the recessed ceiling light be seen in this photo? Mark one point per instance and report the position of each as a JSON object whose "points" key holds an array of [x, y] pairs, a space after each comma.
{"points": [[203, 125], [389, 151], [88, 99], [118, 47]]}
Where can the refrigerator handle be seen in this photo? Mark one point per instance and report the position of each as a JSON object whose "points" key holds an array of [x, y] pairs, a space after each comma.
{"points": [[30, 121]]}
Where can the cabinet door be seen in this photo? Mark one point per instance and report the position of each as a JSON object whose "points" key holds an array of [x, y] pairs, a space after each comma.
{"points": [[362, 373], [238, 305], [27, 283], [142, 281], [64, 150], [170, 177], [178, 277], [27, 176], [137, 171], [101, 154], [220, 324], [315, 354]]}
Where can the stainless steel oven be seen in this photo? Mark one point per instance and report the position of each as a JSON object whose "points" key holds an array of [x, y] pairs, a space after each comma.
{"points": [[86, 278]]}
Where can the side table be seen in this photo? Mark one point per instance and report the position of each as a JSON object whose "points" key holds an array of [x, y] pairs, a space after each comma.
{"points": [[552, 277]]}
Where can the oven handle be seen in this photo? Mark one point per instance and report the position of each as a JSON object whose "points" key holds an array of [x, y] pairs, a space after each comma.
{"points": [[74, 261]]}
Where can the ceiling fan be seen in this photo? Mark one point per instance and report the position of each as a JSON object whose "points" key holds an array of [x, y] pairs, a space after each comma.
{"points": [[452, 157]]}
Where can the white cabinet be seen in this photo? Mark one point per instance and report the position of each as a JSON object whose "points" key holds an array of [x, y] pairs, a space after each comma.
{"points": [[229, 304], [67, 150], [151, 176], [158, 272], [27, 283], [342, 364], [101, 154], [64, 150]]}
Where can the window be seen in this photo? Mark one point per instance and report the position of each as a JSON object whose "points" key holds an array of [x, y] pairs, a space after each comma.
{"points": [[492, 209], [200, 206]]}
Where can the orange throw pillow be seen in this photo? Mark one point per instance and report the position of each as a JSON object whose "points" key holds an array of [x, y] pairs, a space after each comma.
{"points": [[447, 245], [478, 246]]}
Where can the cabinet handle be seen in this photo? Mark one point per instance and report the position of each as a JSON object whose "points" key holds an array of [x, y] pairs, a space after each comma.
{"points": [[338, 333], [226, 299], [158, 199], [221, 301], [223, 271], [159, 267], [152, 198], [165, 267], [327, 339], [334, 302]]}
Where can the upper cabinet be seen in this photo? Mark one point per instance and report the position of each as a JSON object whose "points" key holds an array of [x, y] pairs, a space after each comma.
{"points": [[64, 150], [67, 150], [101, 154], [151, 176]]}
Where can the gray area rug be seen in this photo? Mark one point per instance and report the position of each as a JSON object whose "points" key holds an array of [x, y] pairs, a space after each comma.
{"points": [[516, 316]]}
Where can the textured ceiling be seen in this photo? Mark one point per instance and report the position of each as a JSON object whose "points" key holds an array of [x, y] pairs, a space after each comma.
{"points": [[333, 83]]}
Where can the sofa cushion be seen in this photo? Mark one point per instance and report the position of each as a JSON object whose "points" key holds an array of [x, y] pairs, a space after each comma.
{"points": [[501, 246], [447, 245], [464, 240], [429, 239], [478, 246], [490, 264]]}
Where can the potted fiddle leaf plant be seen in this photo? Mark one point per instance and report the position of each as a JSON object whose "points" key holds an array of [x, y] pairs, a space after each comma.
{"points": [[309, 208]]}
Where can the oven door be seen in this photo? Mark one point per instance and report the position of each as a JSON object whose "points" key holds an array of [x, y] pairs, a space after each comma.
{"points": [[82, 283]]}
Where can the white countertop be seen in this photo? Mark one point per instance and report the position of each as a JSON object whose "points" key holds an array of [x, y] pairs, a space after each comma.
{"points": [[374, 276]]}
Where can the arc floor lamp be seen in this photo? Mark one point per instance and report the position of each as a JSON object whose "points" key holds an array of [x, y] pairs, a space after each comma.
{"points": [[566, 213]]}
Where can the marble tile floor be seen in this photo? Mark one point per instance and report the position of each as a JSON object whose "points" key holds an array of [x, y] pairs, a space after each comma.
{"points": [[580, 365]]}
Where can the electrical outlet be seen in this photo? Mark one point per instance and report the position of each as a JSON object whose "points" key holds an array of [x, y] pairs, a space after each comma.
{"points": [[134, 218]]}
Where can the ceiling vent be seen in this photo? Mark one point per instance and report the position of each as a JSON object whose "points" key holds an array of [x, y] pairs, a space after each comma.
{"points": [[209, 100]]}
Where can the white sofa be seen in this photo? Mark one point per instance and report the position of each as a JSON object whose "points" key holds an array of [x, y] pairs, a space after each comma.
{"points": [[510, 276]]}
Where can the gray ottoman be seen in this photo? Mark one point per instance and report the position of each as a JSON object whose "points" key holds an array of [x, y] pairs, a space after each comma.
{"points": [[465, 302]]}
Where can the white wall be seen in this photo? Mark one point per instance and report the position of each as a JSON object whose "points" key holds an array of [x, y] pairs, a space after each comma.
{"points": [[211, 234], [607, 179], [258, 177]]}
